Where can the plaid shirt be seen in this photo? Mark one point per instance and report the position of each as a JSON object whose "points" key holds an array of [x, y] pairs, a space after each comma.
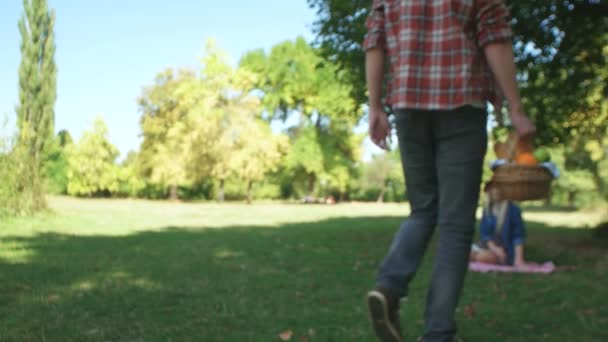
{"points": [[435, 50]]}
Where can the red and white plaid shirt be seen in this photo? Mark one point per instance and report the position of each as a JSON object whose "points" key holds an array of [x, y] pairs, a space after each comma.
{"points": [[435, 50]]}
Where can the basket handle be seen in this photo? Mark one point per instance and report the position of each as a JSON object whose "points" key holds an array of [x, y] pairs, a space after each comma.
{"points": [[512, 147]]}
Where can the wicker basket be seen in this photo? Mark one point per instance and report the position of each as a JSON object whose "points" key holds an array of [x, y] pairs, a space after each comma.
{"points": [[515, 182]]}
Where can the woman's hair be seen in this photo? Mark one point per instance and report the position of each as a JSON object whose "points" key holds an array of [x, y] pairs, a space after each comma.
{"points": [[489, 191]]}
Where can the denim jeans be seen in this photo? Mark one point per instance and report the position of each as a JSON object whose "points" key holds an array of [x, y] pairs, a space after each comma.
{"points": [[442, 154]]}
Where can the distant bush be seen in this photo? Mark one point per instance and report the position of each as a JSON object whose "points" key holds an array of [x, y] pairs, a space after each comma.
{"points": [[13, 199]]}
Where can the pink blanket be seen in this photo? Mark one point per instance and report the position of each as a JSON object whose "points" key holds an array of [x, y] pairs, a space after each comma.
{"points": [[546, 267]]}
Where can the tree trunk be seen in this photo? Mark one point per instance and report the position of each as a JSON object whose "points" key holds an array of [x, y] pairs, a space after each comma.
{"points": [[571, 198], [37, 192], [311, 184], [548, 199], [249, 194], [173, 192], [220, 195], [318, 123], [600, 184], [381, 195]]}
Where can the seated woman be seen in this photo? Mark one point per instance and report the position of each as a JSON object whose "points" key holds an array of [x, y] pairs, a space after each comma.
{"points": [[502, 232]]}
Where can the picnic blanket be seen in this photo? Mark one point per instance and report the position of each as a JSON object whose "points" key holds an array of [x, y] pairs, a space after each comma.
{"points": [[547, 267]]}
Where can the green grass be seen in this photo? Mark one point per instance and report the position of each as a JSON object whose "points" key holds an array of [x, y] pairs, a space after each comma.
{"points": [[120, 270]]}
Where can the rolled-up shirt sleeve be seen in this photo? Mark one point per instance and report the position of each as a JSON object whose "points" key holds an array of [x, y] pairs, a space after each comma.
{"points": [[376, 35], [492, 22]]}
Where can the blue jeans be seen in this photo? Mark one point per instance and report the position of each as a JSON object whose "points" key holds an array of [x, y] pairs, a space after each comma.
{"points": [[442, 154]]}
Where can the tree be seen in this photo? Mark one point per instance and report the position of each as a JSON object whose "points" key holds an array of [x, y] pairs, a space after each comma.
{"points": [[379, 172], [340, 29], [298, 86], [91, 163], [258, 151], [164, 107], [56, 163], [37, 92], [572, 182], [216, 119], [199, 126], [12, 201], [304, 159], [129, 181]]}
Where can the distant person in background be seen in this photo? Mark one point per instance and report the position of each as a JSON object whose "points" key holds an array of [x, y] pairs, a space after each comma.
{"points": [[445, 58], [502, 232]]}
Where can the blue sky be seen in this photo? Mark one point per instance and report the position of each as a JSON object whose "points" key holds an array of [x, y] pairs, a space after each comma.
{"points": [[108, 50]]}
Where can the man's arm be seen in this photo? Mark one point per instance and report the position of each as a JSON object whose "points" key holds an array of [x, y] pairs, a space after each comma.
{"points": [[374, 72], [501, 60], [374, 45], [494, 36], [379, 127]]}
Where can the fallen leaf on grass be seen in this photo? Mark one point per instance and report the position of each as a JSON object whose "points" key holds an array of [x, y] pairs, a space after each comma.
{"points": [[470, 311], [52, 298], [303, 338], [286, 335], [589, 312], [92, 332]]}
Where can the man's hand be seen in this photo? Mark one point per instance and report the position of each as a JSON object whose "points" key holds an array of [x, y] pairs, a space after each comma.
{"points": [[522, 124], [500, 58], [379, 127]]}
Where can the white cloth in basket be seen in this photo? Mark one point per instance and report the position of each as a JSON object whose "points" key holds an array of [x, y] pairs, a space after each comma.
{"points": [[551, 167]]}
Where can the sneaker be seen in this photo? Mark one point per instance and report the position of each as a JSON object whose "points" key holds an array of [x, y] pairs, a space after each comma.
{"points": [[384, 315]]}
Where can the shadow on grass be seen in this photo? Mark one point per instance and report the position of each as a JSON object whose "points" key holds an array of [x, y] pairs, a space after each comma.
{"points": [[250, 284]]}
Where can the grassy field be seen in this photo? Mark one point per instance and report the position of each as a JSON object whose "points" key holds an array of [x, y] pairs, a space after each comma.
{"points": [[120, 270]]}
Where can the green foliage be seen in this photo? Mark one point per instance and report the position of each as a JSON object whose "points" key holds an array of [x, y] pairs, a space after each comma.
{"points": [[130, 184], [56, 164], [298, 85], [563, 67], [305, 154], [91, 164], [575, 187], [295, 77], [13, 198], [163, 157], [37, 94], [209, 125], [340, 29], [381, 179], [257, 151]]}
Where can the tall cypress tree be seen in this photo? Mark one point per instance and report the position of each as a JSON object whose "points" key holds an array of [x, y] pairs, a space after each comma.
{"points": [[37, 93]]}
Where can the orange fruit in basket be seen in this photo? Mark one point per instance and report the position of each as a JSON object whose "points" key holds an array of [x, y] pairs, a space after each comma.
{"points": [[526, 158]]}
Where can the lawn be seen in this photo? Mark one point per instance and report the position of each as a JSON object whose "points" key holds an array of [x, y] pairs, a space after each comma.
{"points": [[121, 270]]}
